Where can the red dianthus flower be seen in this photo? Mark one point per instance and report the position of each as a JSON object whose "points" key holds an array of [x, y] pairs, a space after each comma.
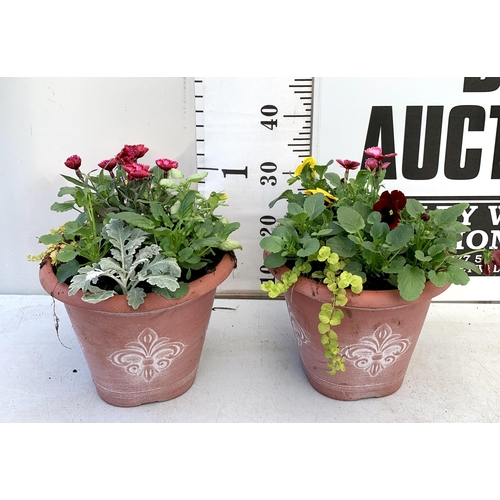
{"points": [[349, 164], [166, 164], [136, 171], [74, 162], [108, 164]]}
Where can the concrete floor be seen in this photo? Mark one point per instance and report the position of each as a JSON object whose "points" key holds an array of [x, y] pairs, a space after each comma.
{"points": [[250, 371]]}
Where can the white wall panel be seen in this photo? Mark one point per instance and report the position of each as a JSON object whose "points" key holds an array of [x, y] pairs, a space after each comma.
{"points": [[43, 121]]}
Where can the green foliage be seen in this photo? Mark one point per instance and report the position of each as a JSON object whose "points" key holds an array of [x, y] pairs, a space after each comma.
{"points": [[158, 203], [339, 225]]}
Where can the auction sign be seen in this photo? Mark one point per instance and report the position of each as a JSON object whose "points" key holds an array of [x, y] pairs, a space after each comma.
{"points": [[446, 133]]}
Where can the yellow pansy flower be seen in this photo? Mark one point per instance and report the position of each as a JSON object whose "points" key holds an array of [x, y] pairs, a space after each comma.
{"points": [[328, 197], [310, 160]]}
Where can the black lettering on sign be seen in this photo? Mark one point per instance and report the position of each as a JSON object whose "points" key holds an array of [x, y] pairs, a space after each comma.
{"points": [[381, 130], [267, 220], [269, 110], [456, 121], [495, 167], [243, 171], [411, 147], [268, 167], [481, 84]]}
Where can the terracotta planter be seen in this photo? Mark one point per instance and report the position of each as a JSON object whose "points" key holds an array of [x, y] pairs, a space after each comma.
{"points": [[377, 337], [143, 355]]}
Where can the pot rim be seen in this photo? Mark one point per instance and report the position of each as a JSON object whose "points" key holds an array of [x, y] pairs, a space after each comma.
{"points": [[367, 298], [152, 302]]}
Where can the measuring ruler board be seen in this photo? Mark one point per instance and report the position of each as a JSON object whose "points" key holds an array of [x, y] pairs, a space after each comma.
{"points": [[251, 133]]}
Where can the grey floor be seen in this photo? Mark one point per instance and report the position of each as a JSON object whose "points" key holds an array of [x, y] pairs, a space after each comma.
{"points": [[250, 371]]}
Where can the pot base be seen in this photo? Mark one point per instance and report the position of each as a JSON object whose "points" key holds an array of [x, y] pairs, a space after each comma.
{"points": [[345, 392], [158, 395], [377, 337]]}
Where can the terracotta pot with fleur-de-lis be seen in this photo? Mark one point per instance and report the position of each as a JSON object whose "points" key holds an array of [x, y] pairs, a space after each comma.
{"points": [[144, 355], [377, 337]]}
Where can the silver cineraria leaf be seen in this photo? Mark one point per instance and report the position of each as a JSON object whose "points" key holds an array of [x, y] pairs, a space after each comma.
{"points": [[148, 252], [160, 266], [78, 282], [128, 255], [164, 282], [109, 264], [135, 297], [93, 276], [81, 281], [98, 296], [125, 240], [144, 255], [116, 231]]}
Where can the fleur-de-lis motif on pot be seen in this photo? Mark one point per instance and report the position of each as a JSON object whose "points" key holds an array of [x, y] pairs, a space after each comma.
{"points": [[148, 356], [376, 352]]}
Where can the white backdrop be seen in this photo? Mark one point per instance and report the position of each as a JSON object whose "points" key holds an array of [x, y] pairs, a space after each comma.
{"points": [[43, 121]]}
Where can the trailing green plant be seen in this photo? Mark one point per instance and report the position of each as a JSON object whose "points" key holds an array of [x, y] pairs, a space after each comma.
{"points": [[337, 279], [342, 232], [169, 229]]}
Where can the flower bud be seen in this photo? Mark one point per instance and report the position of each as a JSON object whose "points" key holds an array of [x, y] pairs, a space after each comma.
{"points": [[371, 164], [166, 164], [496, 258], [74, 162], [108, 164], [487, 268]]}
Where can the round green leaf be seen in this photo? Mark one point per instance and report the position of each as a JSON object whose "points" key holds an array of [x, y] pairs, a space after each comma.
{"points": [[274, 260], [272, 244], [411, 282], [350, 219]]}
